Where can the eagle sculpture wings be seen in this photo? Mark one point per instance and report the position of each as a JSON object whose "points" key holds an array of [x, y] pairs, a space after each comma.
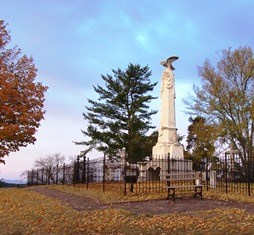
{"points": [[168, 62]]}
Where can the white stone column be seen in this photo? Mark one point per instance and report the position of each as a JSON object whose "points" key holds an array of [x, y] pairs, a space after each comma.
{"points": [[167, 139]]}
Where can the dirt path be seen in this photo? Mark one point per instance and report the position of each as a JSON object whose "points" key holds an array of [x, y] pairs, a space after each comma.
{"points": [[148, 207]]}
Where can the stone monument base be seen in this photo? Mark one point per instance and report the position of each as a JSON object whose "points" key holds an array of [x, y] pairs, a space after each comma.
{"points": [[161, 150]]}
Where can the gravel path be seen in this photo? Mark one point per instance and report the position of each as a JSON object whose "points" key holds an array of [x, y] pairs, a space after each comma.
{"points": [[162, 206]]}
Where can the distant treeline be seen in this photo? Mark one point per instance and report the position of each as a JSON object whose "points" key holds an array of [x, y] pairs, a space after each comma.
{"points": [[11, 185]]}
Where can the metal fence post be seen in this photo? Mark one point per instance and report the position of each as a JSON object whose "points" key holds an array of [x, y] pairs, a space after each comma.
{"points": [[207, 178], [74, 173], [64, 173], [168, 163], [249, 178], [84, 170], [28, 178], [32, 176], [42, 176], [77, 171], [124, 171], [226, 173], [104, 172], [37, 176], [87, 173], [49, 172], [57, 172]]}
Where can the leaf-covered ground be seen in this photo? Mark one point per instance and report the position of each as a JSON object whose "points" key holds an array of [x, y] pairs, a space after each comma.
{"points": [[23, 211]]}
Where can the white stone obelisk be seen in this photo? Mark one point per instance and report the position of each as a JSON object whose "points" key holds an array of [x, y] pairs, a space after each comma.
{"points": [[167, 140]]}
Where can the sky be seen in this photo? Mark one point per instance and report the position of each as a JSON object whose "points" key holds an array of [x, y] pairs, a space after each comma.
{"points": [[74, 42]]}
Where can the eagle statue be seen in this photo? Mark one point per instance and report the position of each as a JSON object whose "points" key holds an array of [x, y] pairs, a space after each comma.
{"points": [[168, 62]]}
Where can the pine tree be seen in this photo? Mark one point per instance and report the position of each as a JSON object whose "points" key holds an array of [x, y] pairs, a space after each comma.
{"points": [[121, 116]]}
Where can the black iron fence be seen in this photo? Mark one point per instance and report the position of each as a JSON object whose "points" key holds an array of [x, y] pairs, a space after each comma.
{"points": [[143, 176], [229, 174], [232, 174]]}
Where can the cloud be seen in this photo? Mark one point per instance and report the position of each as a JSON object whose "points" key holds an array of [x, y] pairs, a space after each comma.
{"points": [[74, 42]]}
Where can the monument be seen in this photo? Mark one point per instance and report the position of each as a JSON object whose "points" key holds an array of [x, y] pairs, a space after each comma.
{"points": [[167, 139]]}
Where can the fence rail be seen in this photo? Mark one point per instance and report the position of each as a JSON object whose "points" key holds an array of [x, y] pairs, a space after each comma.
{"points": [[226, 175]]}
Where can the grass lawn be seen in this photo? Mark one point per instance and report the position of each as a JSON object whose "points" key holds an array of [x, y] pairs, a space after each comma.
{"points": [[25, 212]]}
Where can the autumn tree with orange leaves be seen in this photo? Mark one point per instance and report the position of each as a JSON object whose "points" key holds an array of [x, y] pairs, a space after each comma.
{"points": [[21, 97]]}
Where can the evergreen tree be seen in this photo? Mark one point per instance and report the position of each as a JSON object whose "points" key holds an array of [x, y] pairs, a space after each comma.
{"points": [[121, 116]]}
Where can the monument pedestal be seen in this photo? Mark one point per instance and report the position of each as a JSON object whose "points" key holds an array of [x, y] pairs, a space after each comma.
{"points": [[167, 144], [161, 151]]}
